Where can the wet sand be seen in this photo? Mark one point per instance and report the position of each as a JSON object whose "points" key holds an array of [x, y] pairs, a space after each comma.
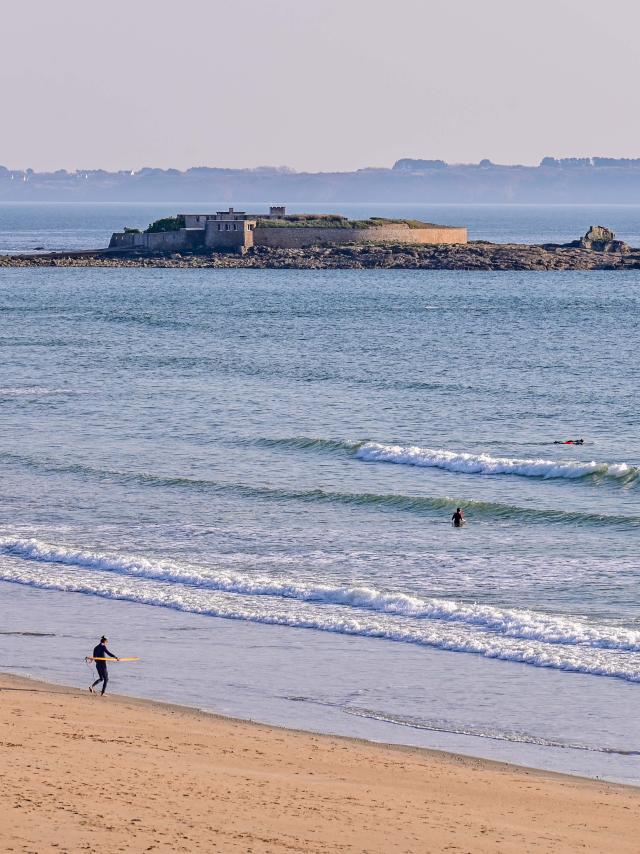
{"points": [[114, 774]]}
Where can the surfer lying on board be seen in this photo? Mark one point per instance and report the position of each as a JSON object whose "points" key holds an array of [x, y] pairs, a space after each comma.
{"points": [[569, 442], [458, 518], [101, 651]]}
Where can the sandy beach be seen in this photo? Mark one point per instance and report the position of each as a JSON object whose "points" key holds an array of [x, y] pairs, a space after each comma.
{"points": [[85, 773]]}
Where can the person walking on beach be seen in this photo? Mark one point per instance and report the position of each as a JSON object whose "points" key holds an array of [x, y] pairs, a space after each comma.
{"points": [[101, 652], [458, 518]]}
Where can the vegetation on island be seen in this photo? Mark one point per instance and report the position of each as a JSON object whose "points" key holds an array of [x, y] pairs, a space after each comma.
{"points": [[336, 221], [167, 223]]}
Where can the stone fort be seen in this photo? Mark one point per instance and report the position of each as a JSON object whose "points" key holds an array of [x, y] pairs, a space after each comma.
{"points": [[238, 231]]}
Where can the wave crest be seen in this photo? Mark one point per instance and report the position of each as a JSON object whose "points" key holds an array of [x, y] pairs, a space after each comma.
{"points": [[509, 623], [466, 463]]}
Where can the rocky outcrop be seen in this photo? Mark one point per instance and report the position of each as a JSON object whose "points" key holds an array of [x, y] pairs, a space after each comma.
{"points": [[596, 251], [602, 240], [598, 234]]}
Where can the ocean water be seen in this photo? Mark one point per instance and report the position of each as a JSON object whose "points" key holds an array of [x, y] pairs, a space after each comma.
{"points": [[247, 478]]}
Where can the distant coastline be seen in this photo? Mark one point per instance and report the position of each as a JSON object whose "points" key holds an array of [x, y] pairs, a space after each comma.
{"points": [[572, 180]]}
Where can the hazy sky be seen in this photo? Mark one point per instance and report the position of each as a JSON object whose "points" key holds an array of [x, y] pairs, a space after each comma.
{"points": [[315, 84]]}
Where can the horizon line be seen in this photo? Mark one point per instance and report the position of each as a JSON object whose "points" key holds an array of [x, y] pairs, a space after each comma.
{"points": [[575, 161]]}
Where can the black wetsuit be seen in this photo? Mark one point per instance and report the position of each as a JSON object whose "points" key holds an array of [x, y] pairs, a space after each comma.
{"points": [[457, 519], [101, 666]]}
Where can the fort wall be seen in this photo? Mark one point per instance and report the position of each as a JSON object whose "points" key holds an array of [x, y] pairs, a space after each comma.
{"points": [[158, 241], [241, 235], [298, 238]]}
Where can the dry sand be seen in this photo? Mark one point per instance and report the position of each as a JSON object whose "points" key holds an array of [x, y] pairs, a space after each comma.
{"points": [[85, 773]]}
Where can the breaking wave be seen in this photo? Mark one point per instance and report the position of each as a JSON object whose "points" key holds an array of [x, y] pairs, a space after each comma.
{"points": [[511, 623], [400, 502], [524, 636], [412, 455], [457, 461]]}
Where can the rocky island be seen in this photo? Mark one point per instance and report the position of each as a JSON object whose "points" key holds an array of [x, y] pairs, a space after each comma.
{"points": [[597, 250]]}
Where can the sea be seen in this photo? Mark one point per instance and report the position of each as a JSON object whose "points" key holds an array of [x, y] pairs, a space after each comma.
{"points": [[246, 478]]}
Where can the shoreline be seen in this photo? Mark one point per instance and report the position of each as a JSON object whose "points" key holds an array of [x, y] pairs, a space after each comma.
{"points": [[234, 785], [473, 256], [206, 714], [359, 695]]}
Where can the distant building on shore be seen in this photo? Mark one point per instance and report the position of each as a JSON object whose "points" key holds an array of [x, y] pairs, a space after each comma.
{"points": [[238, 231]]}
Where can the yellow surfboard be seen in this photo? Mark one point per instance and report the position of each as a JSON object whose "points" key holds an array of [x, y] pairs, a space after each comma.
{"points": [[91, 658]]}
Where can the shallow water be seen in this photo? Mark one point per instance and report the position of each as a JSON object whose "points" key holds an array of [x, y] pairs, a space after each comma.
{"points": [[284, 450]]}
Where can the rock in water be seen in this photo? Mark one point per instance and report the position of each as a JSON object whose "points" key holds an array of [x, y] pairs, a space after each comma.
{"points": [[602, 240], [600, 234]]}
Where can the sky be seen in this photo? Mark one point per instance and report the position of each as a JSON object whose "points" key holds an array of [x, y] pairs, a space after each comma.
{"points": [[316, 85]]}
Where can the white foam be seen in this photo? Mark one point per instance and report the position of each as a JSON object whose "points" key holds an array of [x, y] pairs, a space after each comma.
{"points": [[440, 458], [336, 619], [519, 624]]}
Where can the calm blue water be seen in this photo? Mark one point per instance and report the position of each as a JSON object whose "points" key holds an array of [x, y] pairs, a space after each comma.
{"points": [[284, 449]]}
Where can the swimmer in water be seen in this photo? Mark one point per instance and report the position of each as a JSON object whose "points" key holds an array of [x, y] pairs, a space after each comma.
{"points": [[570, 442], [457, 519]]}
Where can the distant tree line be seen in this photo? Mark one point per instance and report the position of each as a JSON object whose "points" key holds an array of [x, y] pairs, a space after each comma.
{"points": [[590, 161], [408, 164], [575, 180]]}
